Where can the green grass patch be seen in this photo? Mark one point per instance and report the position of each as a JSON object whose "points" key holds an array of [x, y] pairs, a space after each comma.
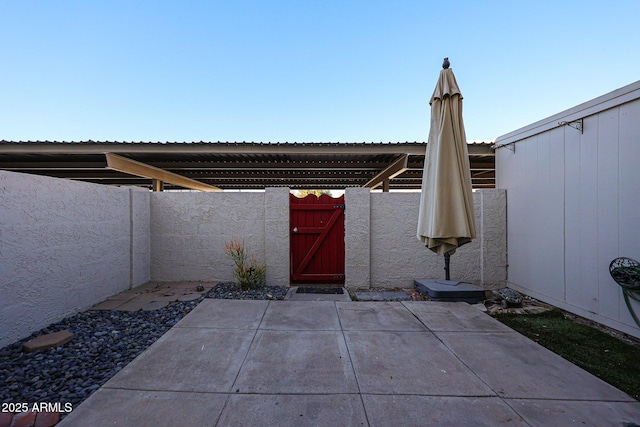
{"points": [[606, 357]]}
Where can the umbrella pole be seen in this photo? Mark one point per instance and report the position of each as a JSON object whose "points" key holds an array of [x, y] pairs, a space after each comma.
{"points": [[447, 257]]}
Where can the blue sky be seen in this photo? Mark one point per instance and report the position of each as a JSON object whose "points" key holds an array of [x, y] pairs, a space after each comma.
{"points": [[320, 71]]}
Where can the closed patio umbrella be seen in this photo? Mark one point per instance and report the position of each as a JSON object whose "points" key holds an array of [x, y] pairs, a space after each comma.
{"points": [[446, 217]]}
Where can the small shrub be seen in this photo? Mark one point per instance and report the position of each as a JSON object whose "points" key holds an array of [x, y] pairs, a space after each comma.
{"points": [[248, 274]]}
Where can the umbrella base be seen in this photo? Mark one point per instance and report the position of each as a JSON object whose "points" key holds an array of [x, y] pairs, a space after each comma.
{"points": [[453, 282], [450, 290]]}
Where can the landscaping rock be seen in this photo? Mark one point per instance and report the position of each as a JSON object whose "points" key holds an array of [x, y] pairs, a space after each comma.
{"points": [[46, 341], [47, 419], [24, 419], [5, 419], [510, 298], [155, 305], [189, 297], [230, 291], [104, 342]]}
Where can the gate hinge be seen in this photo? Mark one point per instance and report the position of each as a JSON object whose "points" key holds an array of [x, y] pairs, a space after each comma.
{"points": [[339, 207], [338, 276]]}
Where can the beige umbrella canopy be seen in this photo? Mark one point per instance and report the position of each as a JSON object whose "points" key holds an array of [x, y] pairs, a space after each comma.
{"points": [[446, 217]]}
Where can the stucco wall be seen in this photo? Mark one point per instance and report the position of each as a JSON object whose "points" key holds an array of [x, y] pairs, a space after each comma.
{"points": [[357, 241], [398, 257], [140, 238], [276, 230], [574, 205], [189, 231], [65, 246]]}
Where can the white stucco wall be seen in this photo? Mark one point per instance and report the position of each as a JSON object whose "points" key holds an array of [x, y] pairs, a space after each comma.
{"points": [[398, 257], [189, 231], [276, 230], [574, 205], [64, 246], [357, 242], [140, 238]]}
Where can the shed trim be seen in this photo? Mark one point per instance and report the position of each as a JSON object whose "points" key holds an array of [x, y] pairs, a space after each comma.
{"points": [[612, 99]]}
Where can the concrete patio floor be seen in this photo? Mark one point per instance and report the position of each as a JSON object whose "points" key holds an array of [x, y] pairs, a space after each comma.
{"points": [[330, 363]]}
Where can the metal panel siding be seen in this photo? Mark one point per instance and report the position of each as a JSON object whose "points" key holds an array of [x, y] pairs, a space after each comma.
{"points": [[573, 206], [609, 295], [535, 223], [588, 217], [629, 187], [518, 209], [581, 216], [547, 242], [573, 231]]}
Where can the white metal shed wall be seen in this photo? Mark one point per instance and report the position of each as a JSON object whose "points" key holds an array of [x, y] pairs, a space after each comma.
{"points": [[574, 205]]}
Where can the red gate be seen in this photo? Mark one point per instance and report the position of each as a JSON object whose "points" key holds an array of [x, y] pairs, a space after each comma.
{"points": [[317, 239]]}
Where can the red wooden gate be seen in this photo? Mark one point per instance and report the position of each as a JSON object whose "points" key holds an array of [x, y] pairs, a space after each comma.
{"points": [[317, 239]]}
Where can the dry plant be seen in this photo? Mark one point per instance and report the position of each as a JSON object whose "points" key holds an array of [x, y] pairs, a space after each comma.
{"points": [[248, 273]]}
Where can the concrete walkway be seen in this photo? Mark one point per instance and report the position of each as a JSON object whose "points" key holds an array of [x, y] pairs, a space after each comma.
{"points": [[327, 363]]}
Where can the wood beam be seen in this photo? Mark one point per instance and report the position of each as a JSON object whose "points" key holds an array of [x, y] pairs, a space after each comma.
{"points": [[390, 172], [132, 167], [157, 185]]}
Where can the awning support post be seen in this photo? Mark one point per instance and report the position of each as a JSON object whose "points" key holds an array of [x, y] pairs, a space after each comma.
{"points": [[157, 185]]}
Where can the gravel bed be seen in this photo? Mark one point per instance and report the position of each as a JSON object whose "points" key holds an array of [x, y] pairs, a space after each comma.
{"points": [[103, 343], [230, 291]]}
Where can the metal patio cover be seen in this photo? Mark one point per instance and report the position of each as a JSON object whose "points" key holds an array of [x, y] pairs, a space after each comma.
{"points": [[241, 165]]}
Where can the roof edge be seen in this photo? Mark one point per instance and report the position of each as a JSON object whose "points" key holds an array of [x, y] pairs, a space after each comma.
{"points": [[95, 147], [609, 100]]}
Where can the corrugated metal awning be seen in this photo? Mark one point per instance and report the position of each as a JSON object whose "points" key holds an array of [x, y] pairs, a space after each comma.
{"points": [[242, 165]]}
